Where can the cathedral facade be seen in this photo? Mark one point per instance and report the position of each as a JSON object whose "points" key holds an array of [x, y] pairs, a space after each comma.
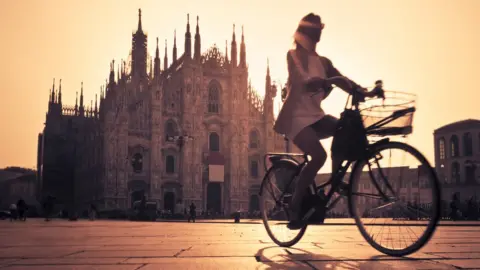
{"points": [[190, 130]]}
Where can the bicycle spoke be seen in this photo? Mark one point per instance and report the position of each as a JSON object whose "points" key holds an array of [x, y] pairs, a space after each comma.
{"points": [[392, 223]]}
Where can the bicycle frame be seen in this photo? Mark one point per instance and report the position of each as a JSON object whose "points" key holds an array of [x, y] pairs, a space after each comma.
{"points": [[337, 177]]}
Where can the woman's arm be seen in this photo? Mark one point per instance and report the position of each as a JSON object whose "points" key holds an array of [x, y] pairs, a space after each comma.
{"points": [[346, 85]]}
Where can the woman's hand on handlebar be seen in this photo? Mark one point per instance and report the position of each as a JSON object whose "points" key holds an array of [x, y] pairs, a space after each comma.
{"points": [[376, 92]]}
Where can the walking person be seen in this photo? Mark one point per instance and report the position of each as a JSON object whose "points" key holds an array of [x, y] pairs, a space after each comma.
{"points": [[22, 210], [93, 212], [193, 213]]}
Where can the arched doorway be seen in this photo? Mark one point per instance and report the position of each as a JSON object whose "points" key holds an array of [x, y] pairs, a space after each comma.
{"points": [[137, 195], [169, 201], [254, 204], [214, 197]]}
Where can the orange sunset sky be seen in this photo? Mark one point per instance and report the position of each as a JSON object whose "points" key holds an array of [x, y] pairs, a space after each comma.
{"points": [[430, 48]]}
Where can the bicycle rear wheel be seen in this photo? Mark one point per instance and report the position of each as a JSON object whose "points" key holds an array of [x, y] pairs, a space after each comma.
{"points": [[274, 202], [410, 208]]}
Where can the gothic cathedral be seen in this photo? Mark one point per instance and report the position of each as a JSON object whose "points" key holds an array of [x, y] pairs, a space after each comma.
{"points": [[192, 131]]}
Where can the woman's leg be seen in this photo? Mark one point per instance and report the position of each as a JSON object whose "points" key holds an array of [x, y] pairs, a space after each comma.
{"points": [[325, 128], [307, 140]]}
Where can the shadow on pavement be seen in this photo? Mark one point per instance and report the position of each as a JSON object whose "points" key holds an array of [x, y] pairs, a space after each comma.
{"points": [[295, 258]]}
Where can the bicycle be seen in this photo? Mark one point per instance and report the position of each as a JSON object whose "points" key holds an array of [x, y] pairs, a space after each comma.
{"points": [[353, 131]]}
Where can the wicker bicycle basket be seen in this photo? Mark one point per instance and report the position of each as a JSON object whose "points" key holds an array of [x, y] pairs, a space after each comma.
{"points": [[390, 116]]}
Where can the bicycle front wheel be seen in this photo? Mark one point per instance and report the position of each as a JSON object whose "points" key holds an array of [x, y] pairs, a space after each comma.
{"points": [[395, 206], [276, 192]]}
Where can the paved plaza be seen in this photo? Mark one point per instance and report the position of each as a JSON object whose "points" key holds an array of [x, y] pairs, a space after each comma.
{"points": [[180, 245]]}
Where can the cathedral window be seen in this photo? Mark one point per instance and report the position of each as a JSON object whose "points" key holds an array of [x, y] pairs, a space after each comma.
{"points": [[213, 99], [170, 164], [157, 95], [467, 144], [441, 146], [170, 130], [455, 173], [254, 168], [469, 174], [214, 142], [137, 163], [454, 146], [254, 141]]}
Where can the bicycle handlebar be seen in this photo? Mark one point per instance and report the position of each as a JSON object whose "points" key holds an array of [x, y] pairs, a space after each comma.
{"points": [[359, 96]]}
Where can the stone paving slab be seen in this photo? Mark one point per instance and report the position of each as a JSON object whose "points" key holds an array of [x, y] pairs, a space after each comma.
{"points": [[142, 245], [7, 261], [125, 254], [69, 261], [75, 267], [383, 265], [463, 264]]}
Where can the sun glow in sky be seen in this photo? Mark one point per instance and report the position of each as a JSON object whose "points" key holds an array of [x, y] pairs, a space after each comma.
{"points": [[429, 47]]}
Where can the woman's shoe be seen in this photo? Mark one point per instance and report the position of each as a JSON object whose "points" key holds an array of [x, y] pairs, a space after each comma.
{"points": [[295, 222]]}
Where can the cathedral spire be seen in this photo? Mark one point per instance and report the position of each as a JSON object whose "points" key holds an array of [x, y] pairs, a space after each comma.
{"points": [[139, 51], [243, 53], [82, 108], [197, 41], [226, 51], [76, 102], [151, 68], [233, 55], [268, 68], [174, 46], [268, 80], [188, 39], [156, 69], [60, 93], [53, 92], [139, 29], [112, 72], [96, 108], [165, 59]]}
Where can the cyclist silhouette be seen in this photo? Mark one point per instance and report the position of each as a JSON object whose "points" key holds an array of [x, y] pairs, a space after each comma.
{"points": [[301, 118]]}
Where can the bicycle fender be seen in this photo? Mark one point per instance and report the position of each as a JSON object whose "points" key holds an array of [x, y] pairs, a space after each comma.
{"points": [[278, 163], [382, 141]]}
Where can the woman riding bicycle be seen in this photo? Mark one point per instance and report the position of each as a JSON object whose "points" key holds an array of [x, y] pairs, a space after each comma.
{"points": [[301, 118]]}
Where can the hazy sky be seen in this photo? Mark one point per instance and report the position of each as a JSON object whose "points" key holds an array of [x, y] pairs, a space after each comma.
{"points": [[428, 47]]}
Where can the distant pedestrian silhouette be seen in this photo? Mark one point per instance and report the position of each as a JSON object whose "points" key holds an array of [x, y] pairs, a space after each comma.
{"points": [[22, 210], [454, 205], [192, 215]]}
